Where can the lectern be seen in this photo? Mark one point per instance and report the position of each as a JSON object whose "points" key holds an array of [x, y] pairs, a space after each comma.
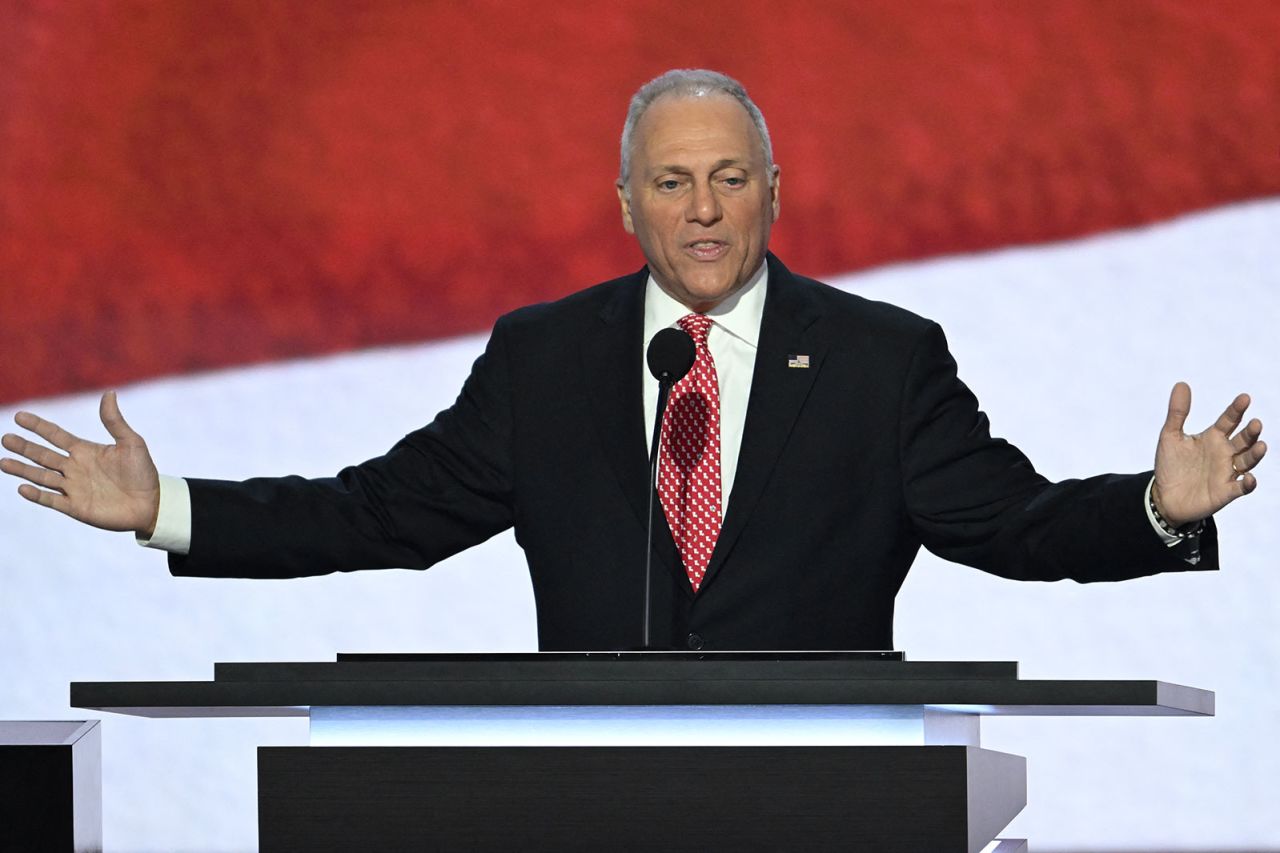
{"points": [[638, 750]]}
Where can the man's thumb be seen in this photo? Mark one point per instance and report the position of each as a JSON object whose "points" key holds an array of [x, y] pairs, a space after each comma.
{"points": [[109, 412]]}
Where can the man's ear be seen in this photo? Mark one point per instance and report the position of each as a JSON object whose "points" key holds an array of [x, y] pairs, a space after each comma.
{"points": [[774, 186], [626, 208]]}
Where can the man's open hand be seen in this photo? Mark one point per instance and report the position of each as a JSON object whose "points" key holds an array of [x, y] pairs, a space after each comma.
{"points": [[1197, 475], [112, 486]]}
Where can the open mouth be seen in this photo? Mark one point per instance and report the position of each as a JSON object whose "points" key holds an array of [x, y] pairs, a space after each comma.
{"points": [[707, 250]]}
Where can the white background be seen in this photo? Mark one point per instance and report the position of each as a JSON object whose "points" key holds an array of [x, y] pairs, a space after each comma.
{"points": [[1072, 350]]}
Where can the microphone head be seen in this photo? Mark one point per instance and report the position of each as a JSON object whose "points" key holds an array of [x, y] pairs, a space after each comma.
{"points": [[671, 354]]}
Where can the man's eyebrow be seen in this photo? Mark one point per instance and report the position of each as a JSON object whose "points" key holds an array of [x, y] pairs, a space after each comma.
{"points": [[664, 168]]}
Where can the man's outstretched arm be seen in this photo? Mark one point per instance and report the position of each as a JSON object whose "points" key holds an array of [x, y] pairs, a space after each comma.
{"points": [[439, 490], [111, 486]]}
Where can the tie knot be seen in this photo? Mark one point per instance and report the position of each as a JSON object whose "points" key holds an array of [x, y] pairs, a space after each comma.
{"points": [[697, 325]]}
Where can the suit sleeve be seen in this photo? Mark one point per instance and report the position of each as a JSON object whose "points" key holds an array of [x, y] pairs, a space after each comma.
{"points": [[438, 491], [977, 500]]}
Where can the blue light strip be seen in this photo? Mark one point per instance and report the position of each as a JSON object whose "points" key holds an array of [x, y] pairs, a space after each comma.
{"points": [[613, 725]]}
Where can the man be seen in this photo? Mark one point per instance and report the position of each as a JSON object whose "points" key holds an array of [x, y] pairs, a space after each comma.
{"points": [[819, 440]]}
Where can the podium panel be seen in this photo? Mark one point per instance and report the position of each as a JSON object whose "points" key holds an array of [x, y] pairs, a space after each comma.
{"points": [[944, 799], [50, 786]]}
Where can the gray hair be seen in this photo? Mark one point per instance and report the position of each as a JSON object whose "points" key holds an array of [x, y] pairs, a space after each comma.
{"points": [[688, 82]]}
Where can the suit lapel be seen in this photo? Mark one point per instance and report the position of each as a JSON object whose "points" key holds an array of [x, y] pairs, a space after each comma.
{"points": [[778, 393], [611, 352]]}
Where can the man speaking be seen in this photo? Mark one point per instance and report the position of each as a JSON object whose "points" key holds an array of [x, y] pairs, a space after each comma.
{"points": [[817, 442]]}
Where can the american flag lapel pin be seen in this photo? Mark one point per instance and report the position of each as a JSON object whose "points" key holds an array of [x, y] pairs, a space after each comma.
{"points": [[797, 361]]}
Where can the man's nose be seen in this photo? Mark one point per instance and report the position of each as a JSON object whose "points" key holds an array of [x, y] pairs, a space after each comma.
{"points": [[704, 206]]}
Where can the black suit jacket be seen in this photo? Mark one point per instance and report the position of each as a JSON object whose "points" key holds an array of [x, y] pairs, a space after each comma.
{"points": [[847, 467]]}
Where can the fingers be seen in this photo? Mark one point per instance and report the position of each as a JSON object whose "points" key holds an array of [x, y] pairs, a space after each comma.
{"points": [[1179, 408], [1247, 436], [1231, 416], [39, 476], [1238, 488], [109, 412], [53, 500], [1242, 462], [37, 453], [48, 430]]}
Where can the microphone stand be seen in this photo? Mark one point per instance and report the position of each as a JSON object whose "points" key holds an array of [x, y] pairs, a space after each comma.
{"points": [[670, 356], [665, 383]]}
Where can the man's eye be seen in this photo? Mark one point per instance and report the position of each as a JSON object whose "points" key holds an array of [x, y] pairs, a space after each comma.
{"points": [[735, 182], [669, 184]]}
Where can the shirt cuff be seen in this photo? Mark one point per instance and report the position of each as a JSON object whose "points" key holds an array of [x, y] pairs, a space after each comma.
{"points": [[1164, 535], [173, 522]]}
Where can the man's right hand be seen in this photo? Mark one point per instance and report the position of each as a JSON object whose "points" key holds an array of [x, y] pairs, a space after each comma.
{"points": [[112, 486]]}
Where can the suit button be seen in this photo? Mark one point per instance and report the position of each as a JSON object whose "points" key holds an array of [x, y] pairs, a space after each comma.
{"points": [[695, 641]]}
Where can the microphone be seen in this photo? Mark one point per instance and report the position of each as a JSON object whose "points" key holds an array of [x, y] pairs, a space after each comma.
{"points": [[671, 354]]}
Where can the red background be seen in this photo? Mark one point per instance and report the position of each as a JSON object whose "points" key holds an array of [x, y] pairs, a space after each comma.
{"points": [[185, 185]]}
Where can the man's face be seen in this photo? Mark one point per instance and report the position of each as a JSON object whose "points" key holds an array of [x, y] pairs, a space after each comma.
{"points": [[702, 199]]}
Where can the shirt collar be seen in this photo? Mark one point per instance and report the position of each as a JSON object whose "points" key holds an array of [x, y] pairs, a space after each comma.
{"points": [[739, 315]]}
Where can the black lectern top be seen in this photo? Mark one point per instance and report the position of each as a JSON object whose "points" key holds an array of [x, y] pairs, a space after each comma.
{"points": [[635, 678]]}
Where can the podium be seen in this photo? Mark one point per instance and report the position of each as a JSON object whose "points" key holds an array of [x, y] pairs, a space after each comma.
{"points": [[50, 786], [638, 750]]}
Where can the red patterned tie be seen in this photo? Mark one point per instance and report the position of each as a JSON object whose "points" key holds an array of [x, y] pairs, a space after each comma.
{"points": [[689, 467]]}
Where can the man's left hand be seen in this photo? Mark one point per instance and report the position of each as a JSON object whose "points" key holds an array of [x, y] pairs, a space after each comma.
{"points": [[1197, 475]]}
